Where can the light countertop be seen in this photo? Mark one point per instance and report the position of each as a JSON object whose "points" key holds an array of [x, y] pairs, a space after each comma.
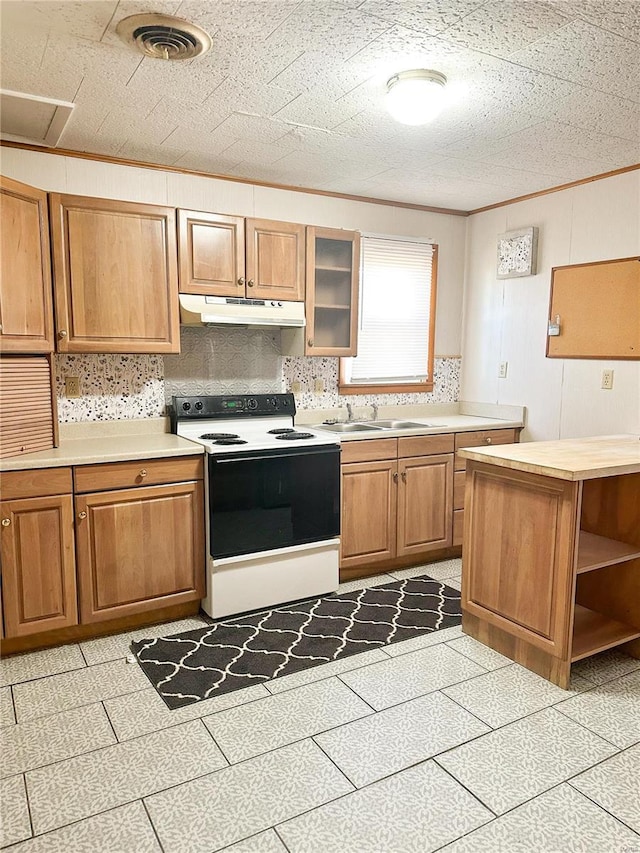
{"points": [[105, 448], [567, 459], [431, 426]]}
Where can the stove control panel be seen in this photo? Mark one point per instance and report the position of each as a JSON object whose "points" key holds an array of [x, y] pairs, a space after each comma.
{"points": [[232, 406]]}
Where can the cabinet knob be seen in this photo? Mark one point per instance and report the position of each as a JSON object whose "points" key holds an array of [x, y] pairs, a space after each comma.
{"points": [[310, 341], [250, 283], [241, 282], [62, 333], [487, 440], [82, 514], [395, 476], [6, 522], [404, 476], [143, 473]]}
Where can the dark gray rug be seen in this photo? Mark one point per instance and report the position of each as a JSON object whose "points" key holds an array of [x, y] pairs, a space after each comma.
{"points": [[234, 653]]}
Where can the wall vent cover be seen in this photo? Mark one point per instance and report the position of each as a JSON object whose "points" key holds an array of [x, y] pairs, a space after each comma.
{"points": [[164, 36]]}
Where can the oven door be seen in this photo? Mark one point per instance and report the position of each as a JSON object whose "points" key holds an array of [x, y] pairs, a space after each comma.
{"points": [[259, 501]]}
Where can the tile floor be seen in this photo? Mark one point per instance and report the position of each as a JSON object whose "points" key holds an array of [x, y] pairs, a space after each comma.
{"points": [[437, 743]]}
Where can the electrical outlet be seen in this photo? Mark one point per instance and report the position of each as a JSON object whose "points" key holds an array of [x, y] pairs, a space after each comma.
{"points": [[607, 380], [318, 386], [296, 387], [72, 386], [502, 369]]}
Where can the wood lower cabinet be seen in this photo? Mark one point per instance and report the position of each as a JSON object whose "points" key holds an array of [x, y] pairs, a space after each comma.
{"points": [[424, 504], [139, 549], [369, 499], [232, 256], [115, 276], [38, 560], [395, 505], [26, 310]]}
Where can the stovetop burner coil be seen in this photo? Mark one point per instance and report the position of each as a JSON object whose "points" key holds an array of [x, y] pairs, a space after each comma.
{"points": [[230, 441], [294, 436], [282, 431], [214, 436]]}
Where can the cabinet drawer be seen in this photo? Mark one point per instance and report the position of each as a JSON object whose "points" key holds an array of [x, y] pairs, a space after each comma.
{"points": [[371, 450], [458, 526], [424, 445], [483, 438], [40, 482], [141, 472], [458, 489]]}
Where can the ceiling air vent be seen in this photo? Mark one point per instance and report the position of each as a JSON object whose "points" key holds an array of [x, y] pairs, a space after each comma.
{"points": [[164, 36]]}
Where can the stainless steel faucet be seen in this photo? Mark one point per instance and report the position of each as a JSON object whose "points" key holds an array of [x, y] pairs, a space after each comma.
{"points": [[349, 413], [374, 406]]}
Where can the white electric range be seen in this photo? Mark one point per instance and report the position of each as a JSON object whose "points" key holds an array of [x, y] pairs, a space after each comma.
{"points": [[273, 500]]}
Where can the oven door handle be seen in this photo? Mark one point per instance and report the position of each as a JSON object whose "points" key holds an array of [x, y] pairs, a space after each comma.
{"points": [[236, 459]]}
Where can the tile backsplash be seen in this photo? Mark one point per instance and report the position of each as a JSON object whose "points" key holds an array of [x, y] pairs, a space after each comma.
{"points": [[217, 361]]}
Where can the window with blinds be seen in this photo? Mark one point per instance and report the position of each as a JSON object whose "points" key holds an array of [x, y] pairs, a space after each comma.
{"points": [[397, 298]]}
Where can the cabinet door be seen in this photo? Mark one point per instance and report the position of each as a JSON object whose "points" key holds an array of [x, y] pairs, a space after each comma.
{"points": [[115, 276], [369, 496], [26, 312], [425, 503], [275, 254], [333, 277], [38, 565], [139, 549], [210, 254]]}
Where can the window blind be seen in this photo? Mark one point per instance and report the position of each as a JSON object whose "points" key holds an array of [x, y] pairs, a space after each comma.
{"points": [[395, 307]]}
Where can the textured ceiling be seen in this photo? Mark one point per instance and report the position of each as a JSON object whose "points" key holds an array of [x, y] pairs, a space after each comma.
{"points": [[546, 91]]}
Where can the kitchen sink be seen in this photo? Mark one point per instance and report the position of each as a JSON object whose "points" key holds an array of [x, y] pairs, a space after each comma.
{"points": [[349, 427], [402, 425]]}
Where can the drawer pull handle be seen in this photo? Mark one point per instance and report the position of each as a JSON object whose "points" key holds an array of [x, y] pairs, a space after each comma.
{"points": [[487, 440], [6, 522], [82, 514], [143, 473]]}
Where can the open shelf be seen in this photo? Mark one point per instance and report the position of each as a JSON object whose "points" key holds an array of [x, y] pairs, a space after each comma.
{"points": [[595, 552], [593, 632]]}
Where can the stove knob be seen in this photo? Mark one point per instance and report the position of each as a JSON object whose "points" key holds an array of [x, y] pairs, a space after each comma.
{"points": [[273, 304], [186, 406], [279, 304], [252, 403], [199, 405]]}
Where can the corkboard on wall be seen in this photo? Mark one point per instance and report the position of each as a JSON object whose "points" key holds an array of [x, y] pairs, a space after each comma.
{"points": [[599, 309]]}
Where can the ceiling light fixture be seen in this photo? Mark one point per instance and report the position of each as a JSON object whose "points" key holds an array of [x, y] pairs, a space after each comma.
{"points": [[416, 97]]}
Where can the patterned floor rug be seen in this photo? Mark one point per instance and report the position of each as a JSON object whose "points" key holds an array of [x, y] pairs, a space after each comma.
{"points": [[196, 665]]}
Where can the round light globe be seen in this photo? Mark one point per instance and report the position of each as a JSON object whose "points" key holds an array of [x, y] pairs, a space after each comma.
{"points": [[416, 97]]}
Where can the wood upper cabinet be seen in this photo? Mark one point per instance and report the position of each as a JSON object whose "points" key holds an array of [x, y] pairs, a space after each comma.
{"points": [[115, 276], [38, 565], [26, 312], [275, 260], [211, 253], [333, 276], [425, 501], [231, 256], [139, 549]]}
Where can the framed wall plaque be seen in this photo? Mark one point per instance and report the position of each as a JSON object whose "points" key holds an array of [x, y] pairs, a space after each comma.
{"points": [[517, 253]]}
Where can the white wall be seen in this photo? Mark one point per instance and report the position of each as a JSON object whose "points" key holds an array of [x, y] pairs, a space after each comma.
{"points": [[506, 320], [106, 180]]}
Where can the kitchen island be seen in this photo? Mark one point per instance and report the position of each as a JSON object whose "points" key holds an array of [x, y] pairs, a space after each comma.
{"points": [[551, 553]]}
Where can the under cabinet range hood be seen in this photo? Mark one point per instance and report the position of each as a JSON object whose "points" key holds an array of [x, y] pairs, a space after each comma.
{"points": [[236, 311]]}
